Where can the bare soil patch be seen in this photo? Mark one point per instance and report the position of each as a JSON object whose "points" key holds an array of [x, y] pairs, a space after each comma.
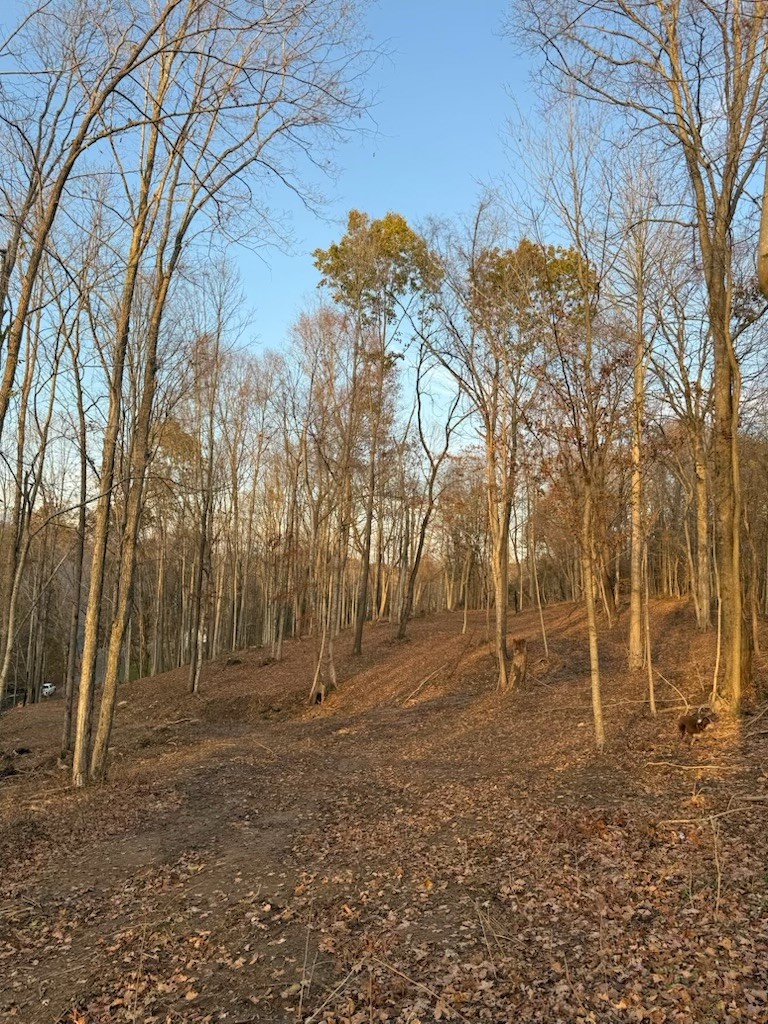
{"points": [[418, 848]]}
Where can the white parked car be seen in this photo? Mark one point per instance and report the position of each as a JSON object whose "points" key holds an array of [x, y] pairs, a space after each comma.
{"points": [[48, 689]]}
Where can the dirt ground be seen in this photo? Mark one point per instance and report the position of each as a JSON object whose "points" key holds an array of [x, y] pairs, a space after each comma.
{"points": [[416, 849]]}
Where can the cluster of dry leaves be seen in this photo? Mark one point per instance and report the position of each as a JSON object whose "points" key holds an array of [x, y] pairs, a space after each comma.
{"points": [[456, 858]]}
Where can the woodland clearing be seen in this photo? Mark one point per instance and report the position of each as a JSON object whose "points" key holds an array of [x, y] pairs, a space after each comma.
{"points": [[417, 848]]}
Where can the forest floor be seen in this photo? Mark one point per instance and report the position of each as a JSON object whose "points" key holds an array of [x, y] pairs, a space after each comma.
{"points": [[402, 853]]}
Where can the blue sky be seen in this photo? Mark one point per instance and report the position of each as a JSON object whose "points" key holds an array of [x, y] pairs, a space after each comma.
{"points": [[442, 97]]}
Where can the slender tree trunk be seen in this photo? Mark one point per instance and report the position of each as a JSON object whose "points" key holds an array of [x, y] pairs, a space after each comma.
{"points": [[501, 602], [218, 611], [74, 631], [465, 589], [406, 609], [762, 249], [647, 630], [26, 491], [727, 495], [588, 571], [753, 587], [156, 664], [636, 500], [519, 589], [104, 502], [77, 584], [537, 593], [694, 588], [703, 584], [17, 529], [118, 631], [13, 531], [362, 593], [139, 462], [198, 601]]}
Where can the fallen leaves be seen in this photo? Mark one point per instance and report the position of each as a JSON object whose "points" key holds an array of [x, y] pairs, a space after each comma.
{"points": [[476, 864]]}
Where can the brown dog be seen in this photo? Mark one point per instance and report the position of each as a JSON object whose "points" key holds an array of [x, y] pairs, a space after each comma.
{"points": [[691, 726]]}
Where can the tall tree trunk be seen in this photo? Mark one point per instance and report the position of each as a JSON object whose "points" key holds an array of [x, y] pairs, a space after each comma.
{"points": [[703, 584], [198, 601], [537, 592], [74, 632], [762, 248], [694, 588], [753, 587], [647, 630], [727, 497], [106, 482], [156, 664], [636, 499], [77, 583], [139, 461], [500, 573], [588, 570], [362, 593]]}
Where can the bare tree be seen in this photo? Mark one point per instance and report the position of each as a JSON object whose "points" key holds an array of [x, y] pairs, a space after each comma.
{"points": [[586, 361], [680, 362], [695, 74], [643, 246], [375, 272], [251, 92], [220, 300], [483, 341], [332, 443], [78, 92], [435, 459], [33, 411]]}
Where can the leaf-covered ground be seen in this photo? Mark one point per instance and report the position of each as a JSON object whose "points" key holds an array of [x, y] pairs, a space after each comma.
{"points": [[416, 849]]}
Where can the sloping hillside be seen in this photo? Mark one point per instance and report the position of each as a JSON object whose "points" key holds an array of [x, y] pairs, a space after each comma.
{"points": [[416, 849]]}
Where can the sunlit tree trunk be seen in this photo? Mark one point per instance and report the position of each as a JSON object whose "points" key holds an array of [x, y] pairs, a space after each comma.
{"points": [[636, 644], [587, 547], [694, 76], [79, 558], [703, 583], [106, 479]]}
